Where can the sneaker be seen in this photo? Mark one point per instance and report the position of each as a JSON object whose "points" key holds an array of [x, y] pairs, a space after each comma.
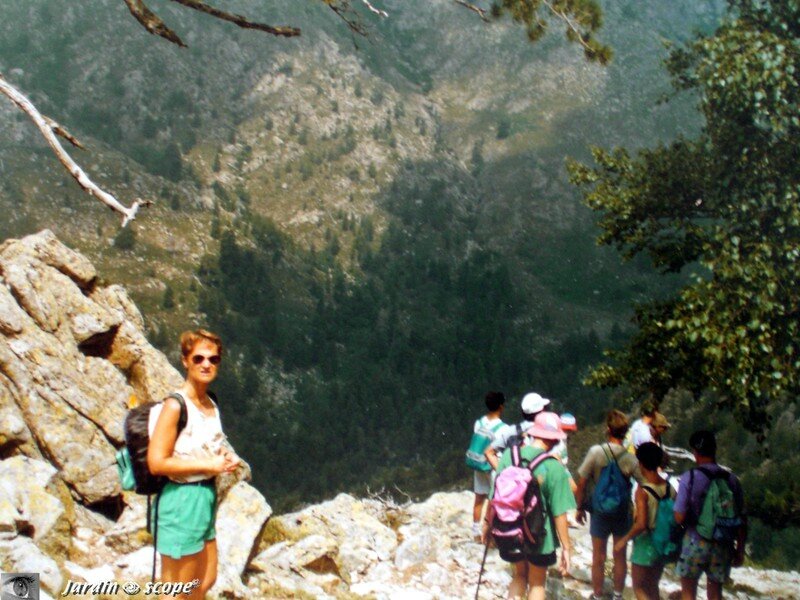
{"points": [[616, 596], [476, 530]]}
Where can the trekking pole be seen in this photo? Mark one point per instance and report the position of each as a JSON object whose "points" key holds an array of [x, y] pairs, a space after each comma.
{"points": [[483, 562]]}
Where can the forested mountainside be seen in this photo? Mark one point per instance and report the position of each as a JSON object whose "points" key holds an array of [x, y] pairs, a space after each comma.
{"points": [[381, 228]]}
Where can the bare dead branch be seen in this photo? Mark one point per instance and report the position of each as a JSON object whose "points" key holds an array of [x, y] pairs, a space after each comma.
{"points": [[570, 23], [59, 130], [377, 11], [152, 22], [476, 9], [47, 127], [239, 20], [343, 11]]}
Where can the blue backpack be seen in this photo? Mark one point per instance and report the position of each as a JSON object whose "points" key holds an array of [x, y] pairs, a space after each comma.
{"points": [[612, 494]]}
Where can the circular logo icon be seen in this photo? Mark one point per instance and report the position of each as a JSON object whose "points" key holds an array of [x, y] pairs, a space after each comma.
{"points": [[131, 588]]}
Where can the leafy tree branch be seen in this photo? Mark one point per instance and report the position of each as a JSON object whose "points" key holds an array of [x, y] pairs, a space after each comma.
{"points": [[724, 209]]}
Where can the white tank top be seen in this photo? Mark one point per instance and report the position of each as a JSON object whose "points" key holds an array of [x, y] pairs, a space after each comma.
{"points": [[201, 438]]}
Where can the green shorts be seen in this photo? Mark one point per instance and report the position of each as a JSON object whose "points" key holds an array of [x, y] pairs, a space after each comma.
{"points": [[186, 515], [644, 553]]}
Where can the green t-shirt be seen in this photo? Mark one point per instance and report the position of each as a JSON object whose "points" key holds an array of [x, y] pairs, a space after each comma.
{"points": [[554, 481]]}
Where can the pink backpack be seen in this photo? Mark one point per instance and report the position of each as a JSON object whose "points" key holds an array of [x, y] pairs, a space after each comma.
{"points": [[518, 513]]}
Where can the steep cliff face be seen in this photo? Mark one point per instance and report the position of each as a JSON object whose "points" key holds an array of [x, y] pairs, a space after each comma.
{"points": [[72, 356]]}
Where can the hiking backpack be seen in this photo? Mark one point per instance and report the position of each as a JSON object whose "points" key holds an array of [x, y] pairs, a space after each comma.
{"points": [[612, 493], [134, 473], [481, 439], [666, 534], [518, 522], [720, 517]]}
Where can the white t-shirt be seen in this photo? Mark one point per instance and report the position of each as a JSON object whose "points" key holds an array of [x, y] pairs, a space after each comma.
{"points": [[486, 422], [501, 438], [640, 433], [201, 438]]}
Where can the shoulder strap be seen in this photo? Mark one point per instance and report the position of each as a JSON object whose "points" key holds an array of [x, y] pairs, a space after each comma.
{"points": [[654, 493], [498, 426], [515, 457], [184, 416], [610, 451], [539, 460]]}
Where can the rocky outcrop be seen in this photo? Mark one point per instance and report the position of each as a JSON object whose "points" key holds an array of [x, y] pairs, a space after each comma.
{"points": [[373, 548], [73, 355]]}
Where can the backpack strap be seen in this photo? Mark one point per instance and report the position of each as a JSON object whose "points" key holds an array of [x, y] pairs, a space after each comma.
{"points": [[184, 415], [613, 456], [539, 460], [667, 492], [515, 456]]}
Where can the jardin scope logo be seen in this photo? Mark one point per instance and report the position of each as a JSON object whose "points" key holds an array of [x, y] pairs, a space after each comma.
{"points": [[19, 586]]}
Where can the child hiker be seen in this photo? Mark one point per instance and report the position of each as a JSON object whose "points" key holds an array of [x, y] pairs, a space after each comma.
{"points": [[483, 434]]}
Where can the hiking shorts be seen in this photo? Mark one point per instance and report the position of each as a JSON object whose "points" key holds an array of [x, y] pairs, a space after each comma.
{"points": [[186, 515], [602, 526], [699, 555], [482, 482]]}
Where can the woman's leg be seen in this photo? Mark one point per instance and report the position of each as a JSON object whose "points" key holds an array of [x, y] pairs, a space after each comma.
{"points": [[201, 566], [181, 570], [516, 589], [536, 580], [645, 581], [653, 578], [208, 568], [620, 566], [639, 578], [599, 546]]}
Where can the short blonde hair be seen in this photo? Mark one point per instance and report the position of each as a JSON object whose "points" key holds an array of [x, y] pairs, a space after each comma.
{"points": [[190, 338], [617, 423]]}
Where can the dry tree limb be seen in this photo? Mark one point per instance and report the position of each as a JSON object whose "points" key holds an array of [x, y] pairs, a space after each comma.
{"points": [[239, 20], [49, 128], [152, 22], [579, 35], [59, 130], [476, 9], [377, 11]]}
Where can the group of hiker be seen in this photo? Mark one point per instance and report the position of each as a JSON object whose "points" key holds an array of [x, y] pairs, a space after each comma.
{"points": [[697, 521]]}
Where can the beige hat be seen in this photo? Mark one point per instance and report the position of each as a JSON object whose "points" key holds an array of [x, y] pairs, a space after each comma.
{"points": [[660, 420]]}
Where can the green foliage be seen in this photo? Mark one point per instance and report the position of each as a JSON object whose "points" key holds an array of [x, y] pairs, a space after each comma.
{"points": [[724, 208], [582, 19], [477, 161], [125, 239], [168, 300], [503, 128]]}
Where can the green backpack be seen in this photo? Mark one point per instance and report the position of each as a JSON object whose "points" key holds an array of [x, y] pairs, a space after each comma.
{"points": [[481, 439], [720, 517], [666, 534]]}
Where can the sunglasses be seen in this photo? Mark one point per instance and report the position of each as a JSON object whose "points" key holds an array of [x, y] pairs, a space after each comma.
{"points": [[198, 359]]}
